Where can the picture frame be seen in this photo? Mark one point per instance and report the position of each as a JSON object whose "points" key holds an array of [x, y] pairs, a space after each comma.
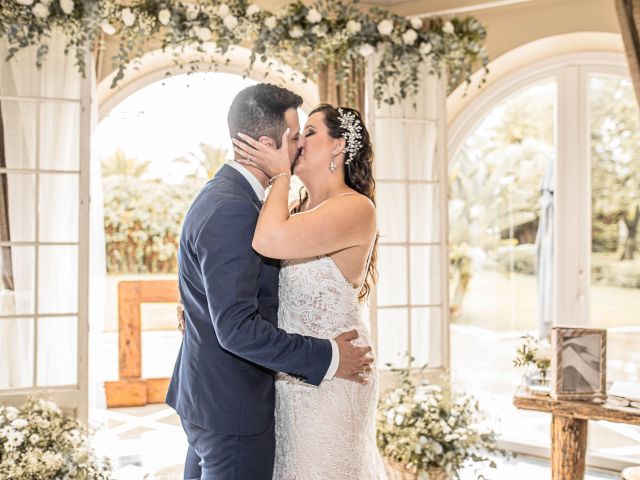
{"points": [[578, 363]]}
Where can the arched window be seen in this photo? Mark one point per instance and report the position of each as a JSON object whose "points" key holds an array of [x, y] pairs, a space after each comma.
{"points": [[544, 180]]}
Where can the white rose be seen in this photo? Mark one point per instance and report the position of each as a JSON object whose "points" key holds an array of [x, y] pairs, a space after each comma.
{"points": [[19, 423], [448, 28], [11, 413], [67, 6], [25, 2], [319, 31], [425, 48], [164, 16], [192, 11], [409, 37], [296, 32], [270, 23], [230, 22], [203, 33], [416, 23], [385, 27], [366, 50], [108, 28], [224, 10], [40, 10], [128, 17], [353, 27], [314, 16], [252, 9]]}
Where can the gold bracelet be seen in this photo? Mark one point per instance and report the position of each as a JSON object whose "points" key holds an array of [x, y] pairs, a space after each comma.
{"points": [[275, 177]]}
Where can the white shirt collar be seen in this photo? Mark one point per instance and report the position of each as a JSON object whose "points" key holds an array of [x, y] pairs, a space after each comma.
{"points": [[250, 177]]}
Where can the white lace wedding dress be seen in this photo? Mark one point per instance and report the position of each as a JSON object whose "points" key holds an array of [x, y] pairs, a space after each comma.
{"points": [[326, 432]]}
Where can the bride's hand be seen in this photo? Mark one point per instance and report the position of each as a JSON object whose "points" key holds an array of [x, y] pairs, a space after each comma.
{"points": [[264, 157]]}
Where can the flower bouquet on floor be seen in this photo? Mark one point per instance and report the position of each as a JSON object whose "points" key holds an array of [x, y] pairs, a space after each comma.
{"points": [[429, 431], [38, 442]]}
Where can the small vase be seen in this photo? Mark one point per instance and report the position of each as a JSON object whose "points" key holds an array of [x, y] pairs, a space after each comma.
{"points": [[536, 380]]}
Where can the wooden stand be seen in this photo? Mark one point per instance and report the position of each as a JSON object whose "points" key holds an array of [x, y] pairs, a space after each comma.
{"points": [[569, 428], [132, 390]]}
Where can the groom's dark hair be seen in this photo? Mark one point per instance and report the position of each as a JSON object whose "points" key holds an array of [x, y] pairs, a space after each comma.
{"points": [[259, 111]]}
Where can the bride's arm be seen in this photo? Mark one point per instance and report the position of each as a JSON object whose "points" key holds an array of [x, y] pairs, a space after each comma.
{"points": [[336, 224]]}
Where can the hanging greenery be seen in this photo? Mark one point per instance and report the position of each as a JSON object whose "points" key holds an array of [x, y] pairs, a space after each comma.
{"points": [[307, 37]]}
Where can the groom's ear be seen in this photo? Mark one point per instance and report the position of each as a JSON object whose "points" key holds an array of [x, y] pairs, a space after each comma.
{"points": [[269, 142]]}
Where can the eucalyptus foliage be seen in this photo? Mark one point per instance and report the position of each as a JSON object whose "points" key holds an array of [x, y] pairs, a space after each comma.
{"points": [[307, 37]]}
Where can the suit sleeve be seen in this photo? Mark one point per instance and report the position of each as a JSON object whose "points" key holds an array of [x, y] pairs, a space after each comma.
{"points": [[230, 268]]}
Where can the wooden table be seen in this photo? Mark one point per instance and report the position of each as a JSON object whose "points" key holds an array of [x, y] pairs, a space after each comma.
{"points": [[569, 428]]}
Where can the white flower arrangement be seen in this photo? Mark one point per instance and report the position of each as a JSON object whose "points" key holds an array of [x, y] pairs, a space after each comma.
{"points": [[38, 442], [306, 36], [164, 16], [385, 27], [67, 6], [314, 16], [423, 427], [409, 37], [252, 9]]}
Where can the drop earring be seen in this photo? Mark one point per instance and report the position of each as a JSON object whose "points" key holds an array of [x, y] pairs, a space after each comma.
{"points": [[332, 165]]}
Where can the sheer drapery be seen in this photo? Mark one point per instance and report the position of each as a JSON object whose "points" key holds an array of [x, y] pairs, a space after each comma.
{"points": [[629, 19], [41, 114]]}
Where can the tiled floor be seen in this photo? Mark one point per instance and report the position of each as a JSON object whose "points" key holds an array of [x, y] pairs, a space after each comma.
{"points": [[147, 443]]}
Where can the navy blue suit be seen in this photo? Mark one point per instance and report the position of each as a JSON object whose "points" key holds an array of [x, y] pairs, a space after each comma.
{"points": [[223, 384]]}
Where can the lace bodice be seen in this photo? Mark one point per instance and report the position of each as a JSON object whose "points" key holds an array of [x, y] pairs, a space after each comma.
{"points": [[326, 432], [316, 299]]}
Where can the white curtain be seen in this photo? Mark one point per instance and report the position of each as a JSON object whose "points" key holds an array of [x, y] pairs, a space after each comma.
{"points": [[411, 286], [42, 127]]}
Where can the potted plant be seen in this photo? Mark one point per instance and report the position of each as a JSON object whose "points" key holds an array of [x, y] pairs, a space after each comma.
{"points": [[38, 441], [429, 431]]}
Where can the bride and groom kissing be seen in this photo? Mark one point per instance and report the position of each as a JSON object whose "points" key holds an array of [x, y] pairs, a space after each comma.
{"points": [[275, 378]]}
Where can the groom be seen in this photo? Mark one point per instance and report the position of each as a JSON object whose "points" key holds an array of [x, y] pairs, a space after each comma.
{"points": [[223, 385]]}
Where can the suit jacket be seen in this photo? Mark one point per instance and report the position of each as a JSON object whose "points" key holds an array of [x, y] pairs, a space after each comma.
{"points": [[223, 379]]}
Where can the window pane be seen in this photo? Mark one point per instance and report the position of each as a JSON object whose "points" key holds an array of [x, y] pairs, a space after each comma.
{"points": [[426, 278], [392, 269], [426, 333], [424, 205], [18, 280], [17, 207], [16, 352], [58, 279], [19, 120], [615, 258], [421, 149], [60, 152], [391, 160], [59, 204], [393, 334], [391, 205], [57, 351], [495, 207]]}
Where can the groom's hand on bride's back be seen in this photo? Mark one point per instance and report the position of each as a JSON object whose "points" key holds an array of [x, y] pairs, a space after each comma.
{"points": [[355, 361]]}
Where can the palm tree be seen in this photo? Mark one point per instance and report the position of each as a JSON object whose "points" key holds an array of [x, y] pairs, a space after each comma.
{"points": [[206, 162], [119, 164]]}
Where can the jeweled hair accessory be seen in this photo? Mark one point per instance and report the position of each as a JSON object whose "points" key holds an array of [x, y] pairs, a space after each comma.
{"points": [[352, 134]]}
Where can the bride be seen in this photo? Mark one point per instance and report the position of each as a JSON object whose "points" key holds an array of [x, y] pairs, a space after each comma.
{"points": [[327, 243]]}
